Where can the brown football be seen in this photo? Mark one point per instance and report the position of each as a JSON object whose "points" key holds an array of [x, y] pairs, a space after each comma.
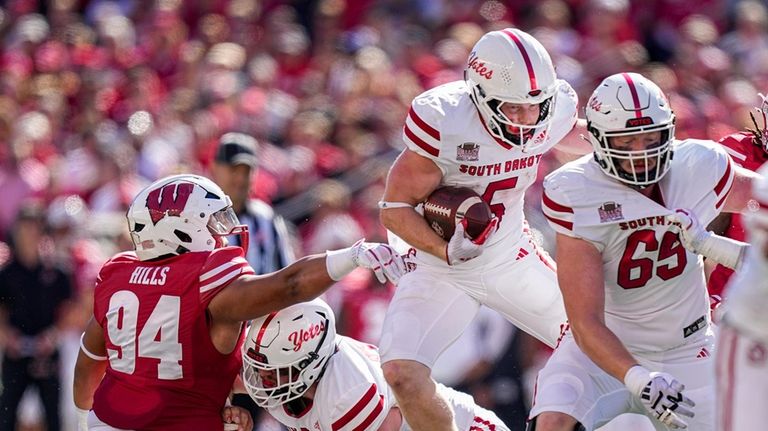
{"points": [[448, 205]]}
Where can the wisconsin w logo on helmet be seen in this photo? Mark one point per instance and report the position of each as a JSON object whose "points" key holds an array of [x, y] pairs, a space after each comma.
{"points": [[169, 200]]}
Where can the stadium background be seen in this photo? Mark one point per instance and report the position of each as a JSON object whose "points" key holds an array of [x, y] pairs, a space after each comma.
{"points": [[99, 98]]}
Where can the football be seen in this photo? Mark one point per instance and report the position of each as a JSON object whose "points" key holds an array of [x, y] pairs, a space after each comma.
{"points": [[448, 205]]}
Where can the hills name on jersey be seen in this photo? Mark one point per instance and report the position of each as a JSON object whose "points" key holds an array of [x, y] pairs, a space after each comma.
{"points": [[151, 276], [501, 167]]}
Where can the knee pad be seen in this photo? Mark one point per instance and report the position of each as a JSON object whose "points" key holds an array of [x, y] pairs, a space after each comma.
{"points": [[531, 425]]}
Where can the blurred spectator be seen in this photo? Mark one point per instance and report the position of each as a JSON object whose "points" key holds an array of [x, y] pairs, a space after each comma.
{"points": [[269, 247], [33, 294], [233, 169]]}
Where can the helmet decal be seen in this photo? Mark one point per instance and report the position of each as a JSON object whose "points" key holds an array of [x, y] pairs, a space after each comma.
{"points": [[286, 352], [168, 200], [479, 66]]}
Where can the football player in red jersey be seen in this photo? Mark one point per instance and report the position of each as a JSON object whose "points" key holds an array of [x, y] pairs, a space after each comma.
{"points": [[162, 349], [748, 149]]}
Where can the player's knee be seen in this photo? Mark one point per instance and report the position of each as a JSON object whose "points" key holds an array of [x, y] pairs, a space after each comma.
{"points": [[554, 421], [406, 378]]}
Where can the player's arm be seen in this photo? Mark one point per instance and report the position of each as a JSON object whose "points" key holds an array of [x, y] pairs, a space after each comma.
{"points": [[393, 421], [251, 296], [89, 370], [575, 142], [580, 276], [411, 180], [741, 190]]}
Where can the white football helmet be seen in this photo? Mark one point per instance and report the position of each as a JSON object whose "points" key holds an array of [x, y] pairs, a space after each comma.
{"points": [[627, 104], [511, 66], [287, 351], [181, 213]]}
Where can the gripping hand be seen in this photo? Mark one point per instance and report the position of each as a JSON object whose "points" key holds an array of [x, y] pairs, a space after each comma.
{"points": [[385, 263], [692, 234], [696, 238], [461, 248]]}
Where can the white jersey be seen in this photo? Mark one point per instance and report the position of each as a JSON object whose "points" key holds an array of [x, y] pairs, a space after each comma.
{"points": [[655, 293], [353, 395], [747, 293], [445, 126]]}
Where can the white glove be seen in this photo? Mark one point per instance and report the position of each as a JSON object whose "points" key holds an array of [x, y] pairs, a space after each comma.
{"points": [[661, 394], [380, 258], [461, 248], [697, 239]]}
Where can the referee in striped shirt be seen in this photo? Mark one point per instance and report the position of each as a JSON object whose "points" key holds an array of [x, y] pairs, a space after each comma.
{"points": [[269, 248]]}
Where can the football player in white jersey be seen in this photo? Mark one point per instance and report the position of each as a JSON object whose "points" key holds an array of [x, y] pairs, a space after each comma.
{"points": [[640, 339], [489, 133], [310, 378], [742, 349]]}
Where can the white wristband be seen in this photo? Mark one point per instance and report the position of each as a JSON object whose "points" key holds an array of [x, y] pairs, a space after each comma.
{"points": [[722, 250], [339, 263], [82, 418], [93, 356], [636, 379], [387, 205]]}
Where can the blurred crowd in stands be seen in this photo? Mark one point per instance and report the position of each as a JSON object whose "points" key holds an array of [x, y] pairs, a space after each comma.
{"points": [[99, 98]]}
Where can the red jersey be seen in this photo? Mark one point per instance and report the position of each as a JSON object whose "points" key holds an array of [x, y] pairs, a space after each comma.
{"points": [[164, 372], [747, 154]]}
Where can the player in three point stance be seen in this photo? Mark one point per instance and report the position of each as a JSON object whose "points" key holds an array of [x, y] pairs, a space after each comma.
{"points": [[163, 347], [309, 378], [640, 338]]}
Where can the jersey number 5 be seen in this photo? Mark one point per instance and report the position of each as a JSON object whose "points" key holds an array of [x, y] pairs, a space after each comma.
{"points": [[492, 188], [159, 338], [636, 272]]}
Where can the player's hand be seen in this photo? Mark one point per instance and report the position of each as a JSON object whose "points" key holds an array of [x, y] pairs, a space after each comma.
{"points": [[236, 419], [662, 395], [692, 233], [384, 261], [461, 248]]}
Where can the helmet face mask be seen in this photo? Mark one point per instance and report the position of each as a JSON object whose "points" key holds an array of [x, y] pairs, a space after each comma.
{"points": [[629, 105], [181, 213], [286, 352], [510, 66], [760, 120]]}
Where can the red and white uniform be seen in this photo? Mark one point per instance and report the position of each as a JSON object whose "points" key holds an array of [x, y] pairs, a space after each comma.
{"points": [[742, 355], [434, 303], [749, 155], [353, 395], [164, 373], [655, 295]]}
